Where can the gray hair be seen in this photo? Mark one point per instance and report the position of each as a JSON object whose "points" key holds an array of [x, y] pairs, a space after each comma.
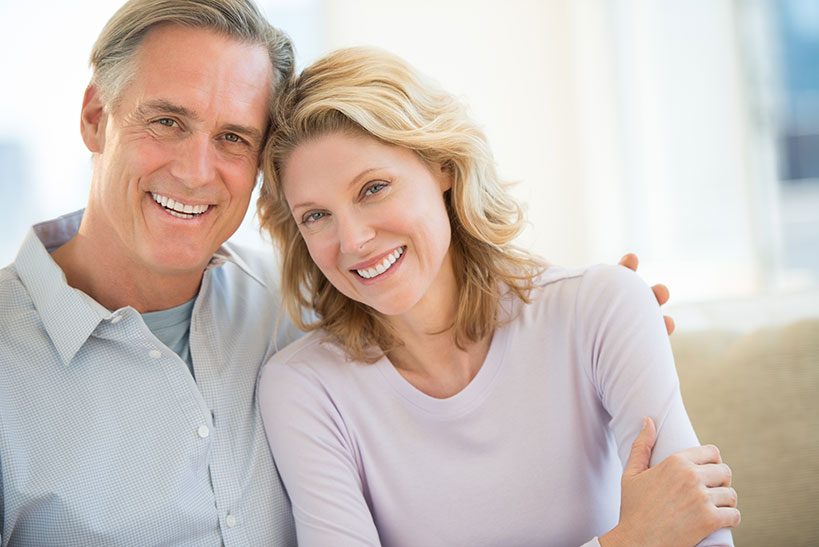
{"points": [[113, 55]]}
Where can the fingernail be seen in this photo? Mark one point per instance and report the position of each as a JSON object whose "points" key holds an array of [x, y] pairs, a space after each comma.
{"points": [[645, 423]]}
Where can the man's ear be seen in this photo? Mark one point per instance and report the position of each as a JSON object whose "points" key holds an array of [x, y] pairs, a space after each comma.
{"points": [[93, 119]]}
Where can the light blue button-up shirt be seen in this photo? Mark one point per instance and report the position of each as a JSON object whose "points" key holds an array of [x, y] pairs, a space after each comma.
{"points": [[105, 437]]}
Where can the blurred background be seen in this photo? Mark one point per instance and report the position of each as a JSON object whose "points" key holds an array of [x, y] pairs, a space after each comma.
{"points": [[686, 131]]}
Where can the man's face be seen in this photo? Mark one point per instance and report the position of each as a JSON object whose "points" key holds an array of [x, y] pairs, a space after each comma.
{"points": [[178, 153]]}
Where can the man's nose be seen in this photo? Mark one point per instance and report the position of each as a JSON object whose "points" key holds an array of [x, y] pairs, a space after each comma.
{"points": [[195, 163], [354, 232]]}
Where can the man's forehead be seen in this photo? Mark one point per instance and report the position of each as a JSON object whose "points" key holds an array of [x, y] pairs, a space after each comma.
{"points": [[193, 69], [178, 48]]}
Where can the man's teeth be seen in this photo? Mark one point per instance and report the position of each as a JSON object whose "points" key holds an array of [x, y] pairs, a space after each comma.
{"points": [[177, 208], [383, 266]]}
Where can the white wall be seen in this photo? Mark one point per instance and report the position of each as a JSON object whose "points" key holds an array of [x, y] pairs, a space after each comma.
{"points": [[628, 122], [512, 62]]}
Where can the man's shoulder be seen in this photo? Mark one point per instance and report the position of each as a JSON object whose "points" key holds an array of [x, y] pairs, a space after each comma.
{"points": [[254, 262], [8, 276], [245, 291], [21, 327], [14, 296]]}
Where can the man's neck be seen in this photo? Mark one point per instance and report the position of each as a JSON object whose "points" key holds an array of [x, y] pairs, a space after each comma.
{"points": [[114, 284]]}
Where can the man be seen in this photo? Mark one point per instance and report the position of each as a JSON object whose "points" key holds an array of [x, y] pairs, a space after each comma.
{"points": [[128, 356], [130, 333]]}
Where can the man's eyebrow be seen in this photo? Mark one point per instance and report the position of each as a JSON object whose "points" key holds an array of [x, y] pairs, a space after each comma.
{"points": [[250, 132], [164, 107]]}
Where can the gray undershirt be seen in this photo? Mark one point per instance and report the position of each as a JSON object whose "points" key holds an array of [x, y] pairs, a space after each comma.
{"points": [[172, 327]]}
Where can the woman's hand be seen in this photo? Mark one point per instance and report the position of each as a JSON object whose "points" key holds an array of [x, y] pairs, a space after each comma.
{"points": [[660, 291], [677, 502]]}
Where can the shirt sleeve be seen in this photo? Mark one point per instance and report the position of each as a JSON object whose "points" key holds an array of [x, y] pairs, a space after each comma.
{"points": [[632, 366], [313, 452]]}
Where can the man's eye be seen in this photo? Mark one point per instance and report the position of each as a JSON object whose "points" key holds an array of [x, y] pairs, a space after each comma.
{"points": [[167, 122], [233, 137], [313, 217]]}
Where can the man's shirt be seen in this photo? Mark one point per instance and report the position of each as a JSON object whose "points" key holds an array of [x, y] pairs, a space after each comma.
{"points": [[105, 436]]}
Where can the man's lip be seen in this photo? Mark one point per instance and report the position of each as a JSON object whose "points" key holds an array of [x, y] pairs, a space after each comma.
{"points": [[179, 206]]}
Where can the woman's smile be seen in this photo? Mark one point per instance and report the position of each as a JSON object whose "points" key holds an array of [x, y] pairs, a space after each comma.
{"points": [[381, 266]]}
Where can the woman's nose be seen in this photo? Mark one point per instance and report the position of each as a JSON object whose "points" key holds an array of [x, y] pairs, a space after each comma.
{"points": [[354, 232]]}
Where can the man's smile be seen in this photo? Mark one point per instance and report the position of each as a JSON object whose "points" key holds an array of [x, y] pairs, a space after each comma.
{"points": [[179, 209]]}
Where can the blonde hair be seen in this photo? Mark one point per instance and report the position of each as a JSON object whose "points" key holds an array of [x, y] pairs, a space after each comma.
{"points": [[371, 92], [114, 53]]}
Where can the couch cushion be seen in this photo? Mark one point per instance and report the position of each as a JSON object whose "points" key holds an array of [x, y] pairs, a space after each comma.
{"points": [[757, 397]]}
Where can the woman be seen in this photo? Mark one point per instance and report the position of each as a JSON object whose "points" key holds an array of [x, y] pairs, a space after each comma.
{"points": [[455, 390]]}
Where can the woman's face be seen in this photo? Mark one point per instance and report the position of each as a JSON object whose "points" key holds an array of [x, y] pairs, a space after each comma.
{"points": [[374, 220]]}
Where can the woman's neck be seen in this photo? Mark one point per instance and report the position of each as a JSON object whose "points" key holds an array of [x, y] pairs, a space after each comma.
{"points": [[429, 358], [434, 364]]}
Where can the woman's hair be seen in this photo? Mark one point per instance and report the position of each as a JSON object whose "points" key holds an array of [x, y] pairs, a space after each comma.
{"points": [[366, 91], [114, 53]]}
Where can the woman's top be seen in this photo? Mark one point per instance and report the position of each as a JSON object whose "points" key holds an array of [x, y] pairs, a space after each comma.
{"points": [[531, 452]]}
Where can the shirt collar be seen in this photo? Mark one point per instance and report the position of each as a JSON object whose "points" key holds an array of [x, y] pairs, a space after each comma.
{"points": [[69, 315], [225, 253]]}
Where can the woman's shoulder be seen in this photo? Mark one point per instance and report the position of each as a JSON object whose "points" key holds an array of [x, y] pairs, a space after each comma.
{"points": [[594, 280], [566, 291], [315, 350], [313, 359]]}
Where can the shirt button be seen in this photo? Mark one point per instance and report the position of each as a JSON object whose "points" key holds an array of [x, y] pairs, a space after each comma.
{"points": [[203, 431], [155, 353], [230, 520], [116, 319]]}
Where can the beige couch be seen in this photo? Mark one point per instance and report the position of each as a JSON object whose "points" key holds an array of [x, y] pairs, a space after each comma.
{"points": [[756, 396]]}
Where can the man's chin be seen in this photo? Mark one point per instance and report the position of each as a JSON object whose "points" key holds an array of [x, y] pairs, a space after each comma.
{"points": [[180, 262]]}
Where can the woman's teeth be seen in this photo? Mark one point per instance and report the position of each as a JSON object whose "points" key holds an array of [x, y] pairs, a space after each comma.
{"points": [[179, 209], [383, 266]]}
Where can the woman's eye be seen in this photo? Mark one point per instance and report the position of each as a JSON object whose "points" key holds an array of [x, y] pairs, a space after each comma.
{"points": [[313, 217], [375, 188]]}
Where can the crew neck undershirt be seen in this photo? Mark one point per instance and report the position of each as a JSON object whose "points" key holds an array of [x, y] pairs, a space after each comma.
{"points": [[172, 327]]}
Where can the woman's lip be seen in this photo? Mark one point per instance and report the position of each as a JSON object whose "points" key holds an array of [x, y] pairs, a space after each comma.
{"points": [[372, 263], [382, 269]]}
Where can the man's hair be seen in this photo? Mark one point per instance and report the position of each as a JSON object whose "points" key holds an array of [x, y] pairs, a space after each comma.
{"points": [[114, 53], [365, 91]]}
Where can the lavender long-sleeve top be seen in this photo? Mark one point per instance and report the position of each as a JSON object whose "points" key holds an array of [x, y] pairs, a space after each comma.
{"points": [[531, 452]]}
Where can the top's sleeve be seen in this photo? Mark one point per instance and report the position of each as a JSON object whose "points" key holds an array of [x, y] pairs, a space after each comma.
{"points": [[311, 448], [632, 366]]}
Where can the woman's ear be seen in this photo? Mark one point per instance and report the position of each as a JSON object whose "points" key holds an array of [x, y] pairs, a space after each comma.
{"points": [[93, 119], [444, 176]]}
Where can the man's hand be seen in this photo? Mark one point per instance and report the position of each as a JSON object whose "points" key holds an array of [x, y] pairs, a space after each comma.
{"points": [[678, 502], [660, 291]]}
